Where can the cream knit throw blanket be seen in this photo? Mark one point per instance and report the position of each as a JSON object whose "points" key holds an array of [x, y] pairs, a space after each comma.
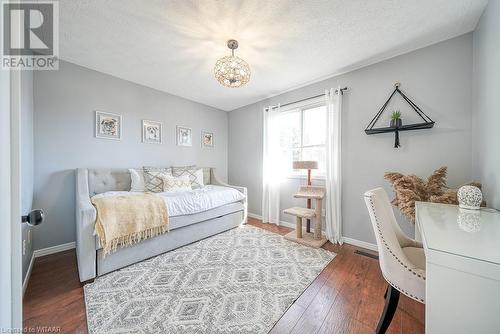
{"points": [[125, 220]]}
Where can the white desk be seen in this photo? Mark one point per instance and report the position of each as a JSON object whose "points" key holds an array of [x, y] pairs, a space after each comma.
{"points": [[462, 252]]}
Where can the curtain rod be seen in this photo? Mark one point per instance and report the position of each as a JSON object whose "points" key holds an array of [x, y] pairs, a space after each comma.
{"points": [[342, 90]]}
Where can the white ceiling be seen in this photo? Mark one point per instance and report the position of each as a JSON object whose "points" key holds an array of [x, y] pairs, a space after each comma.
{"points": [[173, 45]]}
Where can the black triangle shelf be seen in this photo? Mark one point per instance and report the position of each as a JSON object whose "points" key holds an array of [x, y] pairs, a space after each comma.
{"points": [[427, 124]]}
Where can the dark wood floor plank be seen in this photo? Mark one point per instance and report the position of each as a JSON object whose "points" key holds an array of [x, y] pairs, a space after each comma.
{"points": [[412, 325], [344, 270], [357, 327], [347, 302], [413, 309], [288, 320], [372, 296], [347, 296]]}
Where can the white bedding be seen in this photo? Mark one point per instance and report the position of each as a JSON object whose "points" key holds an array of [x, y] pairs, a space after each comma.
{"points": [[187, 202]]}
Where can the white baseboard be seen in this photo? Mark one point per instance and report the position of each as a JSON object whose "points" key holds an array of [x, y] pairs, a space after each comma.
{"points": [[287, 224], [54, 249], [282, 223], [253, 215], [28, 273], [362, 244], [349, 241]]}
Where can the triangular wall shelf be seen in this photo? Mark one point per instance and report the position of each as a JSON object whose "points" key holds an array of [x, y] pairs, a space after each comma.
{"points": [[427, 124]]}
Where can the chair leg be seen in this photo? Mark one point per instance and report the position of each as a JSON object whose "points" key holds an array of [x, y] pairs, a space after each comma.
{"points": [[391, 304]]}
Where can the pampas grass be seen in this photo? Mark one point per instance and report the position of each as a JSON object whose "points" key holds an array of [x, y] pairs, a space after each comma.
{"points": [[411, 188]]}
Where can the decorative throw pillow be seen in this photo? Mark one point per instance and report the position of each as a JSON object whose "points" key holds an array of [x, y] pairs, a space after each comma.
{"points": [[137, 177], [195, 175], [153, 178], [171, 183]]}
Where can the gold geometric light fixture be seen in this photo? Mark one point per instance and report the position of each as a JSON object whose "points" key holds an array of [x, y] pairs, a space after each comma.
{"points": [[232, 71]]}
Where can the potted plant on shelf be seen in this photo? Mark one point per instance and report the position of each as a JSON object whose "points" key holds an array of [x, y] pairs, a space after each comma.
{"points": [[396, 121]]}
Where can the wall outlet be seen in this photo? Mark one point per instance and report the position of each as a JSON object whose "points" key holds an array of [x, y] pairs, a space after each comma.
{"points": [[24, 247]]}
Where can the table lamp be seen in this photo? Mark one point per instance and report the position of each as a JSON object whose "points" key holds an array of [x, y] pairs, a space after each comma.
{"points": [[306, 164]]}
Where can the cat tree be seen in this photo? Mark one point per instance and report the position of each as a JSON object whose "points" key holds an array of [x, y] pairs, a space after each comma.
{"points": [[310, 193]]}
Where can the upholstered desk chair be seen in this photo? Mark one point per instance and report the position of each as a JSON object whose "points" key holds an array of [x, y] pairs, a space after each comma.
{"points": [[401, 259]]}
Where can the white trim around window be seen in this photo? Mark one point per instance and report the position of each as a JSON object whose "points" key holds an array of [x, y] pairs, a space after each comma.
{"points": [[301, 108]]}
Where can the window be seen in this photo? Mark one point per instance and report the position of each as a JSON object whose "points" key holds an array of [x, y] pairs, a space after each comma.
{"points": [[303, 137]]}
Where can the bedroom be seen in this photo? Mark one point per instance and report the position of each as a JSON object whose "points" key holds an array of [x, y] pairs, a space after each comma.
{"points": [[221, 167]]}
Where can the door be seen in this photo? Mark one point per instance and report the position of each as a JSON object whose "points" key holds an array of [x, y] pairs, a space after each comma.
{"points": [[10, 200]]}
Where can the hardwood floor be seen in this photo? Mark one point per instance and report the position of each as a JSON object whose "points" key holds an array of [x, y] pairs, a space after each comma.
{"points": [[347, 297], [54, 296]]}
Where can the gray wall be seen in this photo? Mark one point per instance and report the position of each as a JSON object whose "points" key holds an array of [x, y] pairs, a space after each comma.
{"points": [[26, 162], [486, 107], [438, 78], [65, 101]]}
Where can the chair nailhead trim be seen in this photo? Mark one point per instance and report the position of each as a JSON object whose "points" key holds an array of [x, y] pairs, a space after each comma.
{"points": [[397, 258], [404, 291]]}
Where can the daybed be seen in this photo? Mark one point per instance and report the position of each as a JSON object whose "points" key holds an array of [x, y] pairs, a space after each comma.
{"points": [[184, 229]]}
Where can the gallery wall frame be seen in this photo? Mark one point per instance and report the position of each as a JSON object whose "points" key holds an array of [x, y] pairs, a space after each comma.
{"points": [[108, 125], [152, 132]]}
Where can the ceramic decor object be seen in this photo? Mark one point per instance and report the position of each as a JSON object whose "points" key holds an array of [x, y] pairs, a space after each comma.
{"points": [[469, 197]]}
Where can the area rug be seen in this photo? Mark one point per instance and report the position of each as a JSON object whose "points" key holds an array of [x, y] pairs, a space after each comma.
{"points": [[239, 281]]}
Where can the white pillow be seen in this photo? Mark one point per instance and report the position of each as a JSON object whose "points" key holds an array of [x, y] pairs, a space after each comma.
{"points": [[172, 183], [195, 175], [137, 180]]}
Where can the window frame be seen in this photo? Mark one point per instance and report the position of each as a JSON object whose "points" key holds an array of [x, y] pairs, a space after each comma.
{"points": [[300, 108]]}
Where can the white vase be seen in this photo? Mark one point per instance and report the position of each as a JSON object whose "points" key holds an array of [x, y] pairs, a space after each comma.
{"points": [[469, 197]]}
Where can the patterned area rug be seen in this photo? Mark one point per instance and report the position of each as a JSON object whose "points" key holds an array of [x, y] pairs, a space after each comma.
{"points": [[239, 281]]}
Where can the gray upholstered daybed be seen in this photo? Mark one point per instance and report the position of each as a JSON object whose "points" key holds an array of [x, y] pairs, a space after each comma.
{"points": [[183, 229]]}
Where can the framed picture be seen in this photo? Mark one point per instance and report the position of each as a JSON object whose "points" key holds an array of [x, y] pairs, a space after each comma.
{"points": [[207, 138], [108, 125], [184, 136], [151, 132]]}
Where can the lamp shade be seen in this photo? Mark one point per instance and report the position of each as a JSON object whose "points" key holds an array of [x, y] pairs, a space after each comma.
{"points": [[305, 164]]}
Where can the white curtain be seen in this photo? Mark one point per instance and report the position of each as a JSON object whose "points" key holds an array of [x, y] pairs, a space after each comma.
{"points": [[333, 182], [271, 165]]}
